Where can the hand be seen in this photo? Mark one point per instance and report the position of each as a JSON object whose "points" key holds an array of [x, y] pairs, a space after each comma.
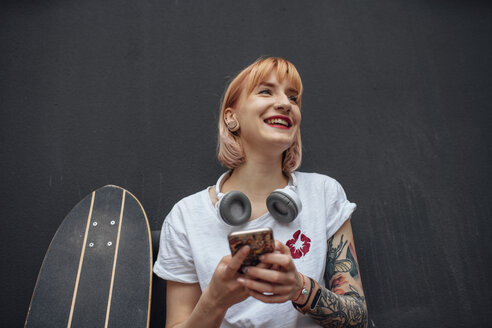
{"points": [[275, 284], [224, 289]]}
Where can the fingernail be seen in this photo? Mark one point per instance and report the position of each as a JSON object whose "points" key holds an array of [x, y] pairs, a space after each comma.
{"points": [[245, 270], [262, 257], [240, 280]]}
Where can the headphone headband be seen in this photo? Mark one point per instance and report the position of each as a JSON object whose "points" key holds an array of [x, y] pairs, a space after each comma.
{"points": [[219, 183]]}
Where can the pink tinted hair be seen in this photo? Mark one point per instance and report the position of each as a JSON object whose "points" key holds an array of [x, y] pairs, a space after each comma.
{"points": [[230, 151]]}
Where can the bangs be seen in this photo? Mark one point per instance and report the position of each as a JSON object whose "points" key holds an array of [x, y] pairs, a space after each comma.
{"points": [[283, 70]]}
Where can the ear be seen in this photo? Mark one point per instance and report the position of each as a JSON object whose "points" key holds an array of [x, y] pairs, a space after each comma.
{"points": [[229, 114], [230, 119]]}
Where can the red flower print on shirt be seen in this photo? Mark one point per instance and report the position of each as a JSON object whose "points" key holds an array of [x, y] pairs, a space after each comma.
{"points": [[299, 246]]}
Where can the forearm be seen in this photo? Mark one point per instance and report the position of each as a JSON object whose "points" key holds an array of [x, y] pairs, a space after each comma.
{"points": [[194, 308], [207, 313], [333, 310]]}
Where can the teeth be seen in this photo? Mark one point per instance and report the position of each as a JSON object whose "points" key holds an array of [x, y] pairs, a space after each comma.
{"points": [[277, 121]]}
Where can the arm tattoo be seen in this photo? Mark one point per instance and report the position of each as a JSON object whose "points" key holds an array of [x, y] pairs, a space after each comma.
{"points": [[338, 311], [334, 265], [336, 307]]}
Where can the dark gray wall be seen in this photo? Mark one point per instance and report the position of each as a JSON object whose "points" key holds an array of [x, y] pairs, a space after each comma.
{"points": [[396, 107]]}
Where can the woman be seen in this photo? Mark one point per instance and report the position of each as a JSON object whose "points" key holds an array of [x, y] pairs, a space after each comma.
{"points": [[312, 277]]}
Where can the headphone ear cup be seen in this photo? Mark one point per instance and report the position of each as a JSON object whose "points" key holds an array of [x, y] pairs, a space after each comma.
{"points": [[235, 208], [284, 205]]}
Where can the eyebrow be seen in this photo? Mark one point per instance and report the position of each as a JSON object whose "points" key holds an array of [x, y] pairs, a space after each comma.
{"points": [[267, 84], [271, 85]]}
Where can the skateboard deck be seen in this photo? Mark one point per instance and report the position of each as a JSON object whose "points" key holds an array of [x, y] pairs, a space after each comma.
{"points": [[97, 271]]}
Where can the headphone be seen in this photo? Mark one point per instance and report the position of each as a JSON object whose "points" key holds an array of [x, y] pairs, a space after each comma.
{"points": [[234, 208]]}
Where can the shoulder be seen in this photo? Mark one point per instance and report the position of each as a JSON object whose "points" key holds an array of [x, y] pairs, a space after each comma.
{"points": [[189, 207], [320, 186], [193, 200], [316, 179]]}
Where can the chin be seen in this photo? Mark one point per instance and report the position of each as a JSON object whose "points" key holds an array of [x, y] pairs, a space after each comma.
{"points": [[283, 145]]}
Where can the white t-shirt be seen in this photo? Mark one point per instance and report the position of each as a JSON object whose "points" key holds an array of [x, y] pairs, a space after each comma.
{"points": [[194, 239]]}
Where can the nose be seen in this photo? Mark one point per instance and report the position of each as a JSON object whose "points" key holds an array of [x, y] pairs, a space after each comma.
{"points": [[283, 103]]}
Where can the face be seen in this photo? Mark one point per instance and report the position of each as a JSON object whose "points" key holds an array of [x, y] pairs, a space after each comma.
{"points": [[269, 117]]}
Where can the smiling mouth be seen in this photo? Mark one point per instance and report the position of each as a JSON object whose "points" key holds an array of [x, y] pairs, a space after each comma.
{"points": [[279, 122]]}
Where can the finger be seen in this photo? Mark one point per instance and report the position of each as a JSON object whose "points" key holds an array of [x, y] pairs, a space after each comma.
{"points": [[263, 265], [263, 287], [276, 258], [236, 261], [279, 261], [271, 276], [275, 298], [282, 248]]}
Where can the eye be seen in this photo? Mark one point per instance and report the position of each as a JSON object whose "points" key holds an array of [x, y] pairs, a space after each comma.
{"points": [[265, 91], [293, 98]]}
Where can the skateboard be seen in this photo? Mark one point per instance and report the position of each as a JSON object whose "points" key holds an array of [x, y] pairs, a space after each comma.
{"points": [[97, 271]]}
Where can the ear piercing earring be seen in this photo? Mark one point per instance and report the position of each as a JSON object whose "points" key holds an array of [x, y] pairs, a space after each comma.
{"points": [[232, 125]]}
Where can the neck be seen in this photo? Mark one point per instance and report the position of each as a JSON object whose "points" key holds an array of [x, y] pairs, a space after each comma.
{"points": [[258, 177]]}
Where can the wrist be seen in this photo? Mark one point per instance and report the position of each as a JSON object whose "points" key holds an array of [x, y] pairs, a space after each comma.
{"points": [[303, 301], [212, 302], [207, 312], [303, 291]]}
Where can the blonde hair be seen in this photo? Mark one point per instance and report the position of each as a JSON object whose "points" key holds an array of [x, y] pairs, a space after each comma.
{"points": [[229, 149]]}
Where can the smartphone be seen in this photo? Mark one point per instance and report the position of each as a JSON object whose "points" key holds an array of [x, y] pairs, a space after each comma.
{"points": [[259, 240]]}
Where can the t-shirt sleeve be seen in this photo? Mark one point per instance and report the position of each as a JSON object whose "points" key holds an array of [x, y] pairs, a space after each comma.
{"points": [[339, 209], [175, 261]]}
